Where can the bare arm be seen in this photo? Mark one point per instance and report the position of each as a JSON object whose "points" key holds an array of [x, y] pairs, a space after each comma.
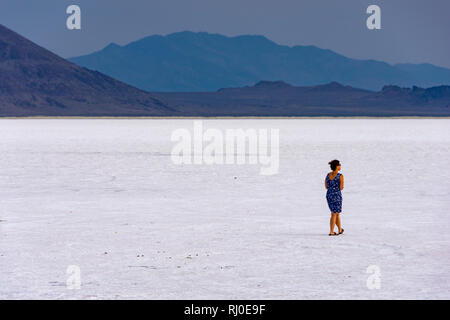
{"points": [[341, 180]]}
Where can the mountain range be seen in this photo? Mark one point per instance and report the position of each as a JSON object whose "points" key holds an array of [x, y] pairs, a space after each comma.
{"points": [[189, 61], [36, 82]]}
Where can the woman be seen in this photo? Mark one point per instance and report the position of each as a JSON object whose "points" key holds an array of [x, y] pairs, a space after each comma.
{"points": [[334, 183]]}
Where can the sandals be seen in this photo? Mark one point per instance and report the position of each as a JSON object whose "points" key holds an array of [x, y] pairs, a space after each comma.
{"points": [[336, 234]]}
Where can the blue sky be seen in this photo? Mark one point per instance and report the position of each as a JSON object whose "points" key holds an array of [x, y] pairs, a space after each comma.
{"points": [[413, 31]]}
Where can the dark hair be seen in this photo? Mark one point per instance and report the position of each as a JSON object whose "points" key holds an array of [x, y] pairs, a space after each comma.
{"points": [[334, 164]]}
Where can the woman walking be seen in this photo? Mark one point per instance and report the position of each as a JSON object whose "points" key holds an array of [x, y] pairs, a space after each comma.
{"points": [[334, 183]]}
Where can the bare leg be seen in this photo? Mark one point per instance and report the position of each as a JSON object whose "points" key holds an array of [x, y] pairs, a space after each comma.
{"points": [[332, 222], [338, 221]]}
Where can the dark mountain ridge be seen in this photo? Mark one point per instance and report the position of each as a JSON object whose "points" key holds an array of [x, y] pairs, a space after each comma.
{"points": [[278, 98], [34, 81]]}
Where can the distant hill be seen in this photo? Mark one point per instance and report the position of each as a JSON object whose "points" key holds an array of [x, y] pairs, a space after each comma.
{"points": [[34, 81], [277, 98], [188, 61]]}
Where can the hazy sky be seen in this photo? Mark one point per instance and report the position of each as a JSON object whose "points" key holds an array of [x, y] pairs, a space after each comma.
{"points": [[412, 30]]}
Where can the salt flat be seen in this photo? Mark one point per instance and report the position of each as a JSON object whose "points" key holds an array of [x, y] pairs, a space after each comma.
{"points": [[104, 195]]}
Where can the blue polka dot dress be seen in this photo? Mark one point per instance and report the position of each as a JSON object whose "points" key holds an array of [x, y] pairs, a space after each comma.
{"points": [[334, 195]]}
